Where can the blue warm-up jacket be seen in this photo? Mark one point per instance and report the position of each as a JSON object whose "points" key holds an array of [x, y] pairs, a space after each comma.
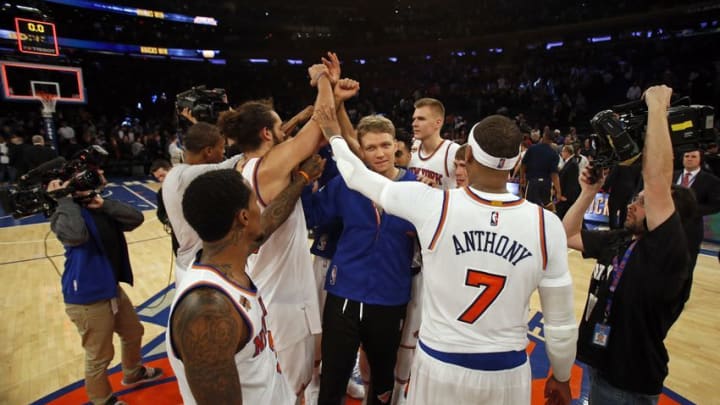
{"points": [[374, 253]]}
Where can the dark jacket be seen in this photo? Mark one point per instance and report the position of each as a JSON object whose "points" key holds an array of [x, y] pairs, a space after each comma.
{"points": [[38, 154], [89, 274], [569, 185], [707, 193]]}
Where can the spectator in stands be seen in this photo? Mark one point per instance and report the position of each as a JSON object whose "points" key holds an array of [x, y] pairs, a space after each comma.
{"points": [[174, 150], [707, 193], [539, 172], [622, 183], [634, 92], [588, 150], [568, 180], [38, 153], [66, 132], [6, 171], [18, 150]]}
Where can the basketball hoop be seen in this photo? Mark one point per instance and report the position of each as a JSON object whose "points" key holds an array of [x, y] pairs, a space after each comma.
{"points": [[48, 101]]}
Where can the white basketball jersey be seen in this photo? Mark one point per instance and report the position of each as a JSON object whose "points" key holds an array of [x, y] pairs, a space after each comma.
{"points": [[480, 269], [439, 166], [257, 366], [282, 269]]}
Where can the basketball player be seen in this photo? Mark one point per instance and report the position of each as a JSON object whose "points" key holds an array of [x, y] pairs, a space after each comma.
{"points": [[220, 348], [461, 166], [432, 156], [204, 152], [282, 268], [484, 253]]}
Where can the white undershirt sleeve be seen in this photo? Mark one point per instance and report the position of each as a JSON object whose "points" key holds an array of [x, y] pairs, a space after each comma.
{"points": [[556, 300], [412, 201]]}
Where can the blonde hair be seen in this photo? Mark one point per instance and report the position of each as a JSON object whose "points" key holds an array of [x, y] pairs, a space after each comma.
{"points": [[376, 124], [435, 105]]}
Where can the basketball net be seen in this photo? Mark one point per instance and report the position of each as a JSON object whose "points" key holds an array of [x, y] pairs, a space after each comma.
{"points": [[48, 101]]}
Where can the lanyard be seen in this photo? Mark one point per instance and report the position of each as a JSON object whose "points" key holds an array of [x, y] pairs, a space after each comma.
{"points": [[617, 274]]}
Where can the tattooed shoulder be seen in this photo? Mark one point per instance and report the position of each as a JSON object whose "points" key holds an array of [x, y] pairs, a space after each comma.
{"points": [[205, 320]]}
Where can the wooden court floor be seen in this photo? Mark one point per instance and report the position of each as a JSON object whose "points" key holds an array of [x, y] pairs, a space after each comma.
{"points": [[40, 351]]}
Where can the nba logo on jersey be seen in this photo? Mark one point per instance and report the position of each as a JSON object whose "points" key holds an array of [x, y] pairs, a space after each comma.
{"points": [[245, 303], [333, 275], [494, 218], [501, 163]]}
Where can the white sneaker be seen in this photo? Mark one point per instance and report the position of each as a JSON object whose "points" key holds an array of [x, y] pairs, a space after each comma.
{"points": [[355, 387], [398, 395], [311, 395]]}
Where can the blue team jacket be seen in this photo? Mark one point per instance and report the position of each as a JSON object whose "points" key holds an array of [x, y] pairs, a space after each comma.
{"points": [[374, 253], [88, 275]]}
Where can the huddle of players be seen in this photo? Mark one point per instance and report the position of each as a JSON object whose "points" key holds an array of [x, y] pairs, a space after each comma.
{"points": [[484, 252]]}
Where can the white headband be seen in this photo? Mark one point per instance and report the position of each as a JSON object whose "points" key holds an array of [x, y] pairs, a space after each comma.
{"points": [[488, 160]]}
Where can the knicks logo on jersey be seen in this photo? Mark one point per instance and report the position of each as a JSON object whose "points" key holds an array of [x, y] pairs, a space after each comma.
{"points": [[261, 340], [428, 174], [245, 303]]}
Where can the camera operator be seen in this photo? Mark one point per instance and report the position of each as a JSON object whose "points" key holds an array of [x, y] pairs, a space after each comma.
{"points": [[636, 290], [159, 170], [96, 261]]}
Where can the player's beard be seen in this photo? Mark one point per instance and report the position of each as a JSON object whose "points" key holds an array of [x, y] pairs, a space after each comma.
{"points": [[276, 138]]}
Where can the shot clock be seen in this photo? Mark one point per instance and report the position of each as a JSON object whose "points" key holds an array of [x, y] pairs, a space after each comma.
{"points": [[36, 37]]}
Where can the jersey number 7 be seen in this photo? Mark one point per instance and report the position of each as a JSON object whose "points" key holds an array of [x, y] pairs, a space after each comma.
{"points": [[493, 284]]}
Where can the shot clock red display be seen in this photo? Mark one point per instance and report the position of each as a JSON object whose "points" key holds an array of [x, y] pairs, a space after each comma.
{"points": [[36, 37]]}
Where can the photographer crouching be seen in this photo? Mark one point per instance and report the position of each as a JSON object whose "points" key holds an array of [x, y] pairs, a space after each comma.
{"points": [[96, 261], [636, 290]]}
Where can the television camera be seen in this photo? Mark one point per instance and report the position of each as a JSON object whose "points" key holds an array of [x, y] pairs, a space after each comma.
{"points": [[620, 131], [29, 196], [204, 104]]}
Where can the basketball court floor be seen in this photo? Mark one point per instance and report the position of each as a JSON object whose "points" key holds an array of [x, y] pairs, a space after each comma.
{"points": [[41, 360]]}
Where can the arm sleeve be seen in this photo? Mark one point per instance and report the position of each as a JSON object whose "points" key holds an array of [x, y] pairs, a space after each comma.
{"points": [[412, 201], [68, 224], [556, 300], [126, 215]]}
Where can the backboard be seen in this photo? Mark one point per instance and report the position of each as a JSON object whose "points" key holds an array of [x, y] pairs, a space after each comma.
{"points": [[23, 81]]}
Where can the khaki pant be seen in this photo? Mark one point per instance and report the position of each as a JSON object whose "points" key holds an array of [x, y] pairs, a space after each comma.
{"points": [[96, 323]]}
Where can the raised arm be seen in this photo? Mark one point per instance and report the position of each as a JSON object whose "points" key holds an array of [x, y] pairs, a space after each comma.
{"points": [[572, 221], [657, 158], [344, 90], [207, 332], [284, 203], [277, 165]]}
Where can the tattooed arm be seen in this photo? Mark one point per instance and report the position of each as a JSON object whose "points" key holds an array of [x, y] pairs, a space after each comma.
{"points": [[207, 332], [284, 203]]}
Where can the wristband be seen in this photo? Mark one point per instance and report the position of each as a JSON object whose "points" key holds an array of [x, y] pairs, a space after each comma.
{"points": [[305, 175]]}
